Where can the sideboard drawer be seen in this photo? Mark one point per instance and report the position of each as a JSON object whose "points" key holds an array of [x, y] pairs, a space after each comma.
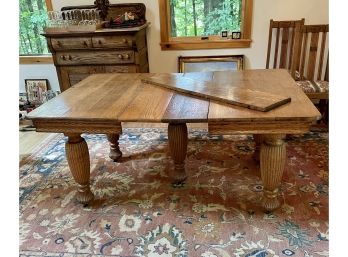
{"points": [[112, 41], [121, 68], [76, 78], [71, 43], [97, 57], [74, 74]]}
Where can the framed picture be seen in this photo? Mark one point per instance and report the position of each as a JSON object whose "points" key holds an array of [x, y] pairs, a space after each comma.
{"points": [[36, 90], [224, 33], [210, 63], [236, 35]]}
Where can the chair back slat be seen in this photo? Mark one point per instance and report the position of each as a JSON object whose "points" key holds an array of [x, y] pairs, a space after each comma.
{"points": [[291, 47], [276, 49], [269, 43], [313, 49], [326, 76], [321, 58], [294, 56], [303, 57], [284, 48], [280, 43]]}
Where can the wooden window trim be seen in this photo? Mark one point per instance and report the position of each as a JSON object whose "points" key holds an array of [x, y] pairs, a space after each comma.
{"points": [[192, 43], [38, 59], [49, 5]]}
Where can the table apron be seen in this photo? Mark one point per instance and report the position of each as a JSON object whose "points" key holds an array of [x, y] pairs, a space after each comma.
{"points": [[78, 126], [255, 127]]}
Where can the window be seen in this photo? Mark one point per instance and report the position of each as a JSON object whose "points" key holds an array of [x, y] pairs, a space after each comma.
{"points": [[197, 24], [32, 17]]}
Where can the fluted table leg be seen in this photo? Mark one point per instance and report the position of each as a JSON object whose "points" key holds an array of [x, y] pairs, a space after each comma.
{"points": [[78, 159], [272, 162], [177, 137], [115, 152], [258, 142]]}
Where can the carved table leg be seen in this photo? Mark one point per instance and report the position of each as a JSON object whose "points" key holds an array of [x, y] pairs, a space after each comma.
{"points": [[115, 152], [78, 159], [272, 162], [258, 142], [177, 137]]}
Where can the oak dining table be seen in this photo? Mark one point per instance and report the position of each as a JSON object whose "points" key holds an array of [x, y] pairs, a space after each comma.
{"points": [[101, 102]]}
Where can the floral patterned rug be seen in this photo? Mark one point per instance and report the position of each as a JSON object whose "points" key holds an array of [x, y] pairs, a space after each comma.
{"points": [[216, 212]]}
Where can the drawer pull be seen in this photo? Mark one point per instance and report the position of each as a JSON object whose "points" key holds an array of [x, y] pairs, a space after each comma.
{"points": [[126, 56], [125, 41], [66, 57], [120, 56], [85, 43], [100, 42]]}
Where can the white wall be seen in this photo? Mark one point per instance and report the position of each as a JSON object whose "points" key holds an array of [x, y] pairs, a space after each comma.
{"points": [[38, 71], [314, 11]]}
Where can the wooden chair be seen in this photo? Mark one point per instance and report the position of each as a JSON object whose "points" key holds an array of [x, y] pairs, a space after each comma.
{"points": [[284, 40], [311, 63]]}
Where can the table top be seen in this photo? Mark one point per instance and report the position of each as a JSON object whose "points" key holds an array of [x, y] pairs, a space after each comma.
{"points": [[122, 97]]}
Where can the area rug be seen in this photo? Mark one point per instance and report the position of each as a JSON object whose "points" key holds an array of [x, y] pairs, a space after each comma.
{"points": [[138, 211]]}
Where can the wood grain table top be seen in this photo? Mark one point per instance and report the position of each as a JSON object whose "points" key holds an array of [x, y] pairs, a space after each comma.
{"points": [[122, 97]]}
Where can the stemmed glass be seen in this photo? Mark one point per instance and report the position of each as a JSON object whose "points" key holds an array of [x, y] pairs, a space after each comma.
{"points": [[73, 17]]}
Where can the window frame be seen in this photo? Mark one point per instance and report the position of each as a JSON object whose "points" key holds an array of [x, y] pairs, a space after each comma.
{"points": [[38, 59], [213, 42]]}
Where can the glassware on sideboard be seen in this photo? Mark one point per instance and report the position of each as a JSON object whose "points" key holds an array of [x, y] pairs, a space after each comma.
{"points": [[73, 20]]}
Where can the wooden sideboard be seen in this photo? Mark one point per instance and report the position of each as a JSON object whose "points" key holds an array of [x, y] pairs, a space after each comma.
{"points": [[77, 55]]}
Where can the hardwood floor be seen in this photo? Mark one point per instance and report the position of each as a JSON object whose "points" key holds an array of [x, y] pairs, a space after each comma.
{"points": [[29, 140]]}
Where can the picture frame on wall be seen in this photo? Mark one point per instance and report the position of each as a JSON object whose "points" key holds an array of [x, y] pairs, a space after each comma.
{"points": [[224, 34], [36, 90], [210, 63], [236, 35]]}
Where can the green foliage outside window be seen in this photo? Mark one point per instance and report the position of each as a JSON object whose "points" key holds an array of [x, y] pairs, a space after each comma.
{"points": [[32, 17], [204, 17]]}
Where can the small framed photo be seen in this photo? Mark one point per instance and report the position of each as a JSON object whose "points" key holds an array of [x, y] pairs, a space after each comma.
{"points": [[36, 90], [224, 33], [236, 35]]}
